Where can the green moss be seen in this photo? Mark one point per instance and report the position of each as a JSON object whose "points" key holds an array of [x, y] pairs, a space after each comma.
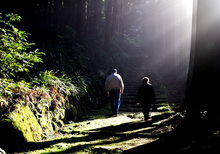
{"points": [[45, 122], [24, 120], [55, 126]]}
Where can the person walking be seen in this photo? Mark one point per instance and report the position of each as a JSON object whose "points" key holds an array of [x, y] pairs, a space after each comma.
{"points": [[114, 86], [145, 96]]}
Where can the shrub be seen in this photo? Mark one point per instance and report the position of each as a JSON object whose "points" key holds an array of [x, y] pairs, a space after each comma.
{"points": [[14, 57], [63, 84]]}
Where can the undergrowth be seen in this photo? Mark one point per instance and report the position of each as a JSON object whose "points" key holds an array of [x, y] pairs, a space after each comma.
{"points": [[44, 90], [77, 86]]}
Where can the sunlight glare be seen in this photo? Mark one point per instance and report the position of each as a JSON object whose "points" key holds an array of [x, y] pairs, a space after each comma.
{"points": [[168, 35]]}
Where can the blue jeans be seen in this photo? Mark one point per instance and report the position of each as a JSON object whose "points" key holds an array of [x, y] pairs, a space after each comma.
{"points": [[115, 99]]}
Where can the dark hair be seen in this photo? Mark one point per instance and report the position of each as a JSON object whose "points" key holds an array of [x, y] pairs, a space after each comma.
{"points": [[114, 70], [146, 80]]}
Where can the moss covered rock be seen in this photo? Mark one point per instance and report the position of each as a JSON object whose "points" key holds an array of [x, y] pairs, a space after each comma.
{"points": [[24, 120], [45, 121], [20, 127], [25, 125]]}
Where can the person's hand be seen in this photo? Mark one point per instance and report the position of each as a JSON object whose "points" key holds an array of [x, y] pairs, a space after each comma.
{"points": [[121, 91]]}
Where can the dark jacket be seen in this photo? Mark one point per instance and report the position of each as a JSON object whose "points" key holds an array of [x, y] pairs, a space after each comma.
{"points": [[146, 94]]}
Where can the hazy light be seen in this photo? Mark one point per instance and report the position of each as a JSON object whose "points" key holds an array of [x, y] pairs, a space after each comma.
{"points": [[168, 35]]}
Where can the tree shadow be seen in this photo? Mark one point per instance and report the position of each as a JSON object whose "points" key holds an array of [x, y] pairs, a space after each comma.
{"points": [[123, 132], [192, 135]]}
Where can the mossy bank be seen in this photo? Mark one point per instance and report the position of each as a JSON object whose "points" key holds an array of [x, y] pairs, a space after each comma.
{"points": [[35, 115]]}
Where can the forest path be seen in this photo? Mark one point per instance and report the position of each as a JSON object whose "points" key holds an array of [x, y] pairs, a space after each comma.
{"points": [[99, 132]]}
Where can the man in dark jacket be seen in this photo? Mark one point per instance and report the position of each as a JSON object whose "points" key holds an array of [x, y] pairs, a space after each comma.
{"points": [[146, 96]]}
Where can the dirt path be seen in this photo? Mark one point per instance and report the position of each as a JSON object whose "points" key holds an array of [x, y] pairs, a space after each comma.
{"points": [[101, 133]]}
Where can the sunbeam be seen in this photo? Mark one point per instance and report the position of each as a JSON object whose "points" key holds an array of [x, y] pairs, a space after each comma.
{"points": [[168, 36]]}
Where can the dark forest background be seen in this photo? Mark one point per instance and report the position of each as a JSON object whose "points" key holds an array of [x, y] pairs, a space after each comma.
{"points": [[76, 34], [87, 38]]}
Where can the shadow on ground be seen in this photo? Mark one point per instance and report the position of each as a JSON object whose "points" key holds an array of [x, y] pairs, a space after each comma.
{"points": [[86, 140], [163, 136]]}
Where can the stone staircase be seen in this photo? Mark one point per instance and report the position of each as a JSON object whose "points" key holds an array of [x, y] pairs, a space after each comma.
{"points": [[139, 67]]}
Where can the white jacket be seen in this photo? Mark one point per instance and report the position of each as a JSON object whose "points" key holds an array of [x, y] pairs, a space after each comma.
{"points": [[114, 81]]}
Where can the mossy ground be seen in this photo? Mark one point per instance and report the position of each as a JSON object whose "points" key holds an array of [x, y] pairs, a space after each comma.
{"points": [[99, 132]]}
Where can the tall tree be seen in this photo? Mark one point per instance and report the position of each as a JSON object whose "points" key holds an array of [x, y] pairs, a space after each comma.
{"points": [[120, 21], [114, 16], [108, 23], [203, 83], [57, 12], [80, 22], [69, 13], [95, 16]]}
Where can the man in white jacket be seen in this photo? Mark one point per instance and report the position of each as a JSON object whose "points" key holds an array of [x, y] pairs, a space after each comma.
{"points": [[114, 86]]}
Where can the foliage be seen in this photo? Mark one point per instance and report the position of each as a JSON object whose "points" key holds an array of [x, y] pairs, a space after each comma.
{"points": [[45, 90], [46, 87], [11, 93], [9, 88], [13, 47], [64, 84], [49, 90]]}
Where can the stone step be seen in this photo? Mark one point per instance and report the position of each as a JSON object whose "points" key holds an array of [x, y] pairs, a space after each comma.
{"points": [[131, 86], [135, 90], [128, 97], [130, 101], [132, 81], [133, 98], [138, 108], [132, 93]]}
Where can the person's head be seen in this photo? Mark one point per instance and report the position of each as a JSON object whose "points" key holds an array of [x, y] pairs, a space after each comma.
{"points": [[146, 80], [114, 71]]}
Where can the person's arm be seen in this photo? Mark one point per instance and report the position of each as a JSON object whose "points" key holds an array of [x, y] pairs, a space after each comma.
{"points": [[121, 85]]}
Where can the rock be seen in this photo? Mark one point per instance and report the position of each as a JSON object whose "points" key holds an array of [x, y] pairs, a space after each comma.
{"points": [[24, 120], [20, 127]]}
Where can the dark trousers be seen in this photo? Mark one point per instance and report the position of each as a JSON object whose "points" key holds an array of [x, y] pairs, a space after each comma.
{"points": [[146, 110], [115, 99]]}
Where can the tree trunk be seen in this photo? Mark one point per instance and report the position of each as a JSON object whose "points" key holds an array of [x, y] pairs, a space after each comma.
{"points": [[121, 22], [80, 21], [108, 19], [114, 18], [57, 13], [96, 16], [203, 79]]}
